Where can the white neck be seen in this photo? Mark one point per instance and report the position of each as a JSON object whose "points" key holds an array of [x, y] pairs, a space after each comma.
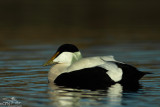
{"points": [[55, 71], [68, 57], [64, 60]]}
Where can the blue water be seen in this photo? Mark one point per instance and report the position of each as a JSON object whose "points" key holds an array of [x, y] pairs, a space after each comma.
{"points": [[23, 77]]}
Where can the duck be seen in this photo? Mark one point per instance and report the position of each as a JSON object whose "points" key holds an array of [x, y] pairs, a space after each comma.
{"points": [[70, 69]]}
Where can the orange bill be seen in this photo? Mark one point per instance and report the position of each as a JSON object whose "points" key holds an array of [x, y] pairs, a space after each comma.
{"points": [[49, 62]]}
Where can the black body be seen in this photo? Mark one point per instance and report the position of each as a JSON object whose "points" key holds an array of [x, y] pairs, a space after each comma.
{"points": [[89, 78]]}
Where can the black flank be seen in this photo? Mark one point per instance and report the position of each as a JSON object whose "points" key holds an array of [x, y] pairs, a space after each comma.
{"points": [[91, 78]]}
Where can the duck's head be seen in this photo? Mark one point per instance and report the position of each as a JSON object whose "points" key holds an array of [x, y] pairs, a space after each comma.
{"points": [[66, 53]]}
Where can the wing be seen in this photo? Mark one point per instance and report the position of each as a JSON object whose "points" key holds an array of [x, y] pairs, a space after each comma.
{"points": [[114, 72], [130, 73], [122, 73]]}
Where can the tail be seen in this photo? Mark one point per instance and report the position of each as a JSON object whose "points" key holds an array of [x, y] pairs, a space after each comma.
{"points": [[143, 73], [147, 73]]}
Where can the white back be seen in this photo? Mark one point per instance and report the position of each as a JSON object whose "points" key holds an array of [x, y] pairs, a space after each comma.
{"points": [[89, 62]]}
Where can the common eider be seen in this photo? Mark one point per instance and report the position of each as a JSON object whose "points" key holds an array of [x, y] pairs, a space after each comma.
{"points": [[71, 70]]}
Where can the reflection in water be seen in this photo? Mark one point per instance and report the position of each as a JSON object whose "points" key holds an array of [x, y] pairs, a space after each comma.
{"points": [[115, 94], [61, 96]]}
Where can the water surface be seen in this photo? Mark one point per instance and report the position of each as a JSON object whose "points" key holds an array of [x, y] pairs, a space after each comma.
{"points": [[23, 77]]}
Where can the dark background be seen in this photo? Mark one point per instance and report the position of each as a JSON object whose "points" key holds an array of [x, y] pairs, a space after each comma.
{"points": [[78, 21]]}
